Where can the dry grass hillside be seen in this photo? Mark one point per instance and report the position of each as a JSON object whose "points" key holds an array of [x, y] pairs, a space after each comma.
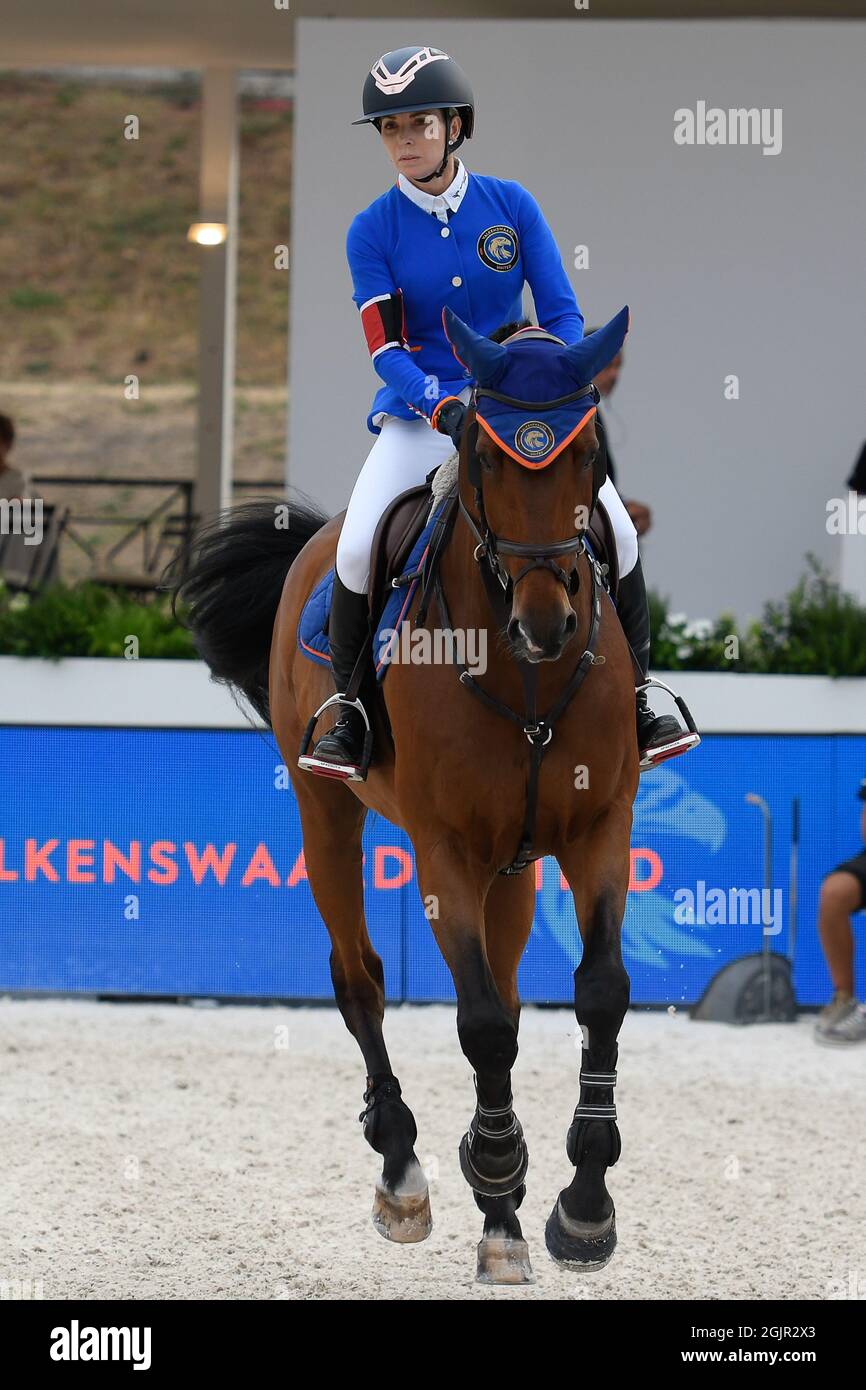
{"points": [[98, 280]]}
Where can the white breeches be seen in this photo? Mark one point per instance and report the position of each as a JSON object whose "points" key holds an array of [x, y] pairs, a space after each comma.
{"points": [[404, 453]]}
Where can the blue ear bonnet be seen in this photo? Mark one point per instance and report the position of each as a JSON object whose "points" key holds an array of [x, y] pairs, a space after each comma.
{"points": [[534, 370]]}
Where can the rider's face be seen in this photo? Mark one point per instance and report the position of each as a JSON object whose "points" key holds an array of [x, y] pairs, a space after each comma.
{"points": [[415, 141]]}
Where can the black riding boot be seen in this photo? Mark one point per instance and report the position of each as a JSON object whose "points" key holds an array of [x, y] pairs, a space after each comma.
{"points": [[653, 731], [339, 752]]}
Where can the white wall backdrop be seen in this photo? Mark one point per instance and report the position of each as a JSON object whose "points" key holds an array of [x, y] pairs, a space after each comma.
{"points": [[732, 262]]}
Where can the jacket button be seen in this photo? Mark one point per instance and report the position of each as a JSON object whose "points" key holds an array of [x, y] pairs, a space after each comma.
{"points": [[446, 231], [456, 280]]}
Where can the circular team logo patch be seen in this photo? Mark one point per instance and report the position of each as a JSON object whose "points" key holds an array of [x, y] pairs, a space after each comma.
{"points": [[534, 439], [498, 248]]}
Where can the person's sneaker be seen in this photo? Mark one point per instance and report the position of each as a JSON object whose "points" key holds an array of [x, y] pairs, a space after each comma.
{"points": [[842, 1022]]}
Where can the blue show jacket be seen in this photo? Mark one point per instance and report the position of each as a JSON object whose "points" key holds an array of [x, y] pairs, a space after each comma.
{"points": [[493, 244]]}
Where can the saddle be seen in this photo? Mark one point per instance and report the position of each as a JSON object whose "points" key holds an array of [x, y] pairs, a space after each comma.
{"points": [[394, 539]]}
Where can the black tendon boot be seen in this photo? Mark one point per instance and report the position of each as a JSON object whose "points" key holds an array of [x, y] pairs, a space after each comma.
{"points": [[340, 752], [658, 736]]}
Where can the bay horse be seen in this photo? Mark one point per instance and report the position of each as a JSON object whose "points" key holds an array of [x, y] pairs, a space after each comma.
{"points": [[459, 777]]}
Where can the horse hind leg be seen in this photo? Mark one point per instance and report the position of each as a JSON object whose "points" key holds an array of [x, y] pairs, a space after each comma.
{"points": [[332, 819]]}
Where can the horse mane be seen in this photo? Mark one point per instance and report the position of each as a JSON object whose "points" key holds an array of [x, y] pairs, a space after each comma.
{"points": [[505, 330]]}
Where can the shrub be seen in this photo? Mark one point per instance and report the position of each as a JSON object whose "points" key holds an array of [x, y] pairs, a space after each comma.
{"points": [[88, 620]]}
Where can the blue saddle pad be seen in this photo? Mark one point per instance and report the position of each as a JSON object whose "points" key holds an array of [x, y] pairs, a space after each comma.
{"points": [[313, 640]]}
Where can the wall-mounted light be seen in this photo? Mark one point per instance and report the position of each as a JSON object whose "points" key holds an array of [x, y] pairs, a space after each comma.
{"points": [[207, 233]]}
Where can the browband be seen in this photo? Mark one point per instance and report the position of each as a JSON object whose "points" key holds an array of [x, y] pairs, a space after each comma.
{"points": [[590, 390]]}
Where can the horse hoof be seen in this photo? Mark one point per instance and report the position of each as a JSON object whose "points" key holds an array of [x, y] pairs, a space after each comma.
{"points": [[503, 1260], [579, 1244], [404, 1219]]}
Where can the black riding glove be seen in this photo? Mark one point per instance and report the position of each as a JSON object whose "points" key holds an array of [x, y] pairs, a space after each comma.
{"points": [[451, 419]]}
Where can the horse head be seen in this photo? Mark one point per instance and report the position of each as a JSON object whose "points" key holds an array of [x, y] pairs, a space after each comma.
{"points": [[533, 406]]}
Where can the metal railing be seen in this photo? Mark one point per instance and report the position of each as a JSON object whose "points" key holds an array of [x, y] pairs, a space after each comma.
{"points": [[150, 536]]}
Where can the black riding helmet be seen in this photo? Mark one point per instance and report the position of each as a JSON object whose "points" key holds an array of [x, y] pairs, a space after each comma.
{"points": [[419, 79]]}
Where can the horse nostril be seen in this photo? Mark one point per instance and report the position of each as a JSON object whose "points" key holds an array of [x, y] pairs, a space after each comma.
{"points": [[571, 624], [514, 632]]}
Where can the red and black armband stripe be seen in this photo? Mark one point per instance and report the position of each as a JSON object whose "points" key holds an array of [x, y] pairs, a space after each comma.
{"points": [[384, 321]]}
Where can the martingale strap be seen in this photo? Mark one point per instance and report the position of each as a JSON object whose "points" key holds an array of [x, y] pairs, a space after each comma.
{"points": [[538, 730]]}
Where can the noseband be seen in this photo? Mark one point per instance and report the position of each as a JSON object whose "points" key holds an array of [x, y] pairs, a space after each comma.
{"points": [[490, 546]]}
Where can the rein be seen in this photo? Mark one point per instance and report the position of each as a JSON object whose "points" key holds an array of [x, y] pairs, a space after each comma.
{"points": [[499, 586]]}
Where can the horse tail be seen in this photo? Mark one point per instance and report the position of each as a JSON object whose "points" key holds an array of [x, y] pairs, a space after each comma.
{"points": [[230, 591]]}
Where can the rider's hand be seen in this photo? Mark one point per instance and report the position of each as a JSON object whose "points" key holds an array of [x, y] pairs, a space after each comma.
{"points": [[641, 516], [450, 420]]}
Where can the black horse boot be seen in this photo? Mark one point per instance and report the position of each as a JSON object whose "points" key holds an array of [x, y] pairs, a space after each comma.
{"points": [[340, 752], [659, 737]]}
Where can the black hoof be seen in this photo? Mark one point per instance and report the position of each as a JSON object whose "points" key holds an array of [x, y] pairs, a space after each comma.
{"points": [[579, 1244]]}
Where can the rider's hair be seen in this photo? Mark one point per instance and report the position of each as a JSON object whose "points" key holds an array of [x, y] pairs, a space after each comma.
{"points": [[7, 431]]}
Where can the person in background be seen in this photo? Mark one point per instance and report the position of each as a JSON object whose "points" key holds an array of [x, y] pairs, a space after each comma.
{"points": [[605, 381], [857, 481], [843, 1021], [13, 483]]}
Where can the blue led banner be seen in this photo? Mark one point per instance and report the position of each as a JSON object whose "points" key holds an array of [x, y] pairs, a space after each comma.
{"points": [[170, 863]]}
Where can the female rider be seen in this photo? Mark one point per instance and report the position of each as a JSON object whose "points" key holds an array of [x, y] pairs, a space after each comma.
{"points": [[441, 235]]}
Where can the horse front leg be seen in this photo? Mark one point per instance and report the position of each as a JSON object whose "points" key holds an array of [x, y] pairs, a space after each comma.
{"points": [[493, 1153], [581, 1229]]}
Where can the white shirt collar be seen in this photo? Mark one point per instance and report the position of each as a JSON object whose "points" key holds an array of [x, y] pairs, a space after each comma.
{"points": [[438, 203]]}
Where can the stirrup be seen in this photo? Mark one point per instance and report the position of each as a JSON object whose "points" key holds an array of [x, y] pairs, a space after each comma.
{"points": [[341, 772], [672, 749]]}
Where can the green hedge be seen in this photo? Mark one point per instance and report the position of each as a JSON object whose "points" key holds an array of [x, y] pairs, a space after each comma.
{"points": [[88, 620], [816, 630]]}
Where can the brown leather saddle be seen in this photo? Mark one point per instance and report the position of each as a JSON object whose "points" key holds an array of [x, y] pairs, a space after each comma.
{"points": [[399, 528], [405, 518]]}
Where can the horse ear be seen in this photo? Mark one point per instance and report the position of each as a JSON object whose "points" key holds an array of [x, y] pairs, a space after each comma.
{"points": [[591, 354], [484, 358]]}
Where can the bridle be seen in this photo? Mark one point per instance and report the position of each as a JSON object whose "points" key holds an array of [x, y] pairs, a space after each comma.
{"points": [[490, 546]]}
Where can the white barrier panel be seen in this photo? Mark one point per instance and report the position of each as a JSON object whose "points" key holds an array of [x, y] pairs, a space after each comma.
{"points": [[103, 691], [83, 691]]}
